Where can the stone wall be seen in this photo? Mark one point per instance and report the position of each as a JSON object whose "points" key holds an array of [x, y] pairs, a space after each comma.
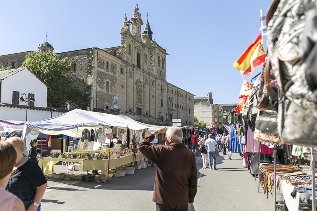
{"points": [[17, 58]]}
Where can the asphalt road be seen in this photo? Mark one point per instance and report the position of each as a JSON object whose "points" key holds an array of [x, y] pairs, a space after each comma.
{"points": [[231, 187]]}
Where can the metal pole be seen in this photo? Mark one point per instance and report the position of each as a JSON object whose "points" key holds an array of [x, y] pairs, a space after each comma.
{"points": [[313, 179], [275, 149], [26, 114]]}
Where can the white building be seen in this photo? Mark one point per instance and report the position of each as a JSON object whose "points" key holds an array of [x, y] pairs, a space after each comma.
{"points": [[23, 96]]}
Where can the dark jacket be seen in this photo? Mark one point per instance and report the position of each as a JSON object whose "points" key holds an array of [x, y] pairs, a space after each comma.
{"points": [[33, 154], [176, 173]]}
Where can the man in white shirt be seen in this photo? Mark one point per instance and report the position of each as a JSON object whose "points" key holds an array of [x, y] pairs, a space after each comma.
{"points": [[211, 146]]}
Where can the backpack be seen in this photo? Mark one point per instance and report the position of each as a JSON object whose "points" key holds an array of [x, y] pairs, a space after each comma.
{"points": [[297, 117]]}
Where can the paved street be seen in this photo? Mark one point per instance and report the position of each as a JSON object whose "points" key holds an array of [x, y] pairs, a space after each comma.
{"points": [[231, 187]]}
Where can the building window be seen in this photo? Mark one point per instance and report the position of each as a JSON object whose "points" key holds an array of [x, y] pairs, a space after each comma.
{"points": [[138, 111], [152, 96], [163, 63], [189, 110], [161, 73], [121, 71], [15, 97], [130, 49], [74, 67], [172, 91], [161, 88], [171, 117], [161, 102], [107, 107], [107, 86], [138, 60], [13, 65], [159, 61], [122, 86], [153, 83], [107, 66], [145, 58]]}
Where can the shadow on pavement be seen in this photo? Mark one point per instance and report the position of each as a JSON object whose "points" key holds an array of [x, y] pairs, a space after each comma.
{"points": [[142, 179], [52, 201], [66, 189]]}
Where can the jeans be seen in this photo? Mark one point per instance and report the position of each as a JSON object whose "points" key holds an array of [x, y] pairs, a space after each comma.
{"points": [[212, 157], [194, 146], [205, 159], [160, 207]]}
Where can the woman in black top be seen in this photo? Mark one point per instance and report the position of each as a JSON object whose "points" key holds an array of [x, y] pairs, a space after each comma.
{"points": [[27, 180], [33, 152]]}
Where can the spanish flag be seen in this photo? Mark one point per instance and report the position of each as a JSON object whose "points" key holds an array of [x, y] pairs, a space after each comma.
{"points": [[241, 105], [251, 58]]}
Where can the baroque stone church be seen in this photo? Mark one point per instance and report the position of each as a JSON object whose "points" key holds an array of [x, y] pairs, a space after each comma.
{"points": [[130, 78]]}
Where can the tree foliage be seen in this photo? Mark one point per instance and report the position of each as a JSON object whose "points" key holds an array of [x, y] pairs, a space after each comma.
{"points": [[5, 68], [55, 73], [199, 124]]}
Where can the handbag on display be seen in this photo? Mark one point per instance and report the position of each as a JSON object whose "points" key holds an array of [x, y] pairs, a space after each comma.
{"points": [[297, 102], [266, 127]]}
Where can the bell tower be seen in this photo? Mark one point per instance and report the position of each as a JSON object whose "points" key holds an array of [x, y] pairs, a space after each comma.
{"points": [[136, 22]]}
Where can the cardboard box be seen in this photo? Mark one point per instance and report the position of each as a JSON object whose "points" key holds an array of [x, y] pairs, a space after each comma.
{"points": [[121, 172], [58, 176], [78, 167], [129, 168], [129, 172]]}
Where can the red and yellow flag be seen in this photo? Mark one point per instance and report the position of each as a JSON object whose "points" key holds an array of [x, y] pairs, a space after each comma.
{"points": [[251, 58], [241, 105]]}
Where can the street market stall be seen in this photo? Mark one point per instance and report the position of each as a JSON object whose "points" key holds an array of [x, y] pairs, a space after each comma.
{"points": [[93, 147]]}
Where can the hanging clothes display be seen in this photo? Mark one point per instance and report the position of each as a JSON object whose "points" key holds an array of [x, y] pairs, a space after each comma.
{"points": [[235, 146], [266, 150], [252, 144]]}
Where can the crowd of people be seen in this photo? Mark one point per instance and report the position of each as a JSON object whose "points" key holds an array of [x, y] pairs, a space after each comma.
{"points": [[209, 146]]}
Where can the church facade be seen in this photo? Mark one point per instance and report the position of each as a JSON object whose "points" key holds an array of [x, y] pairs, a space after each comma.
{"points": [[129, 79]]}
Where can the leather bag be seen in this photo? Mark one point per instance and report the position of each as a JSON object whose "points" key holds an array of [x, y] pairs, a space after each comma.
{"points": [[266, 127], [297, 116]]}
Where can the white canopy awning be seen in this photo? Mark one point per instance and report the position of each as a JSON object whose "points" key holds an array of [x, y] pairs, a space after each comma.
{"points": [[74, 122]]}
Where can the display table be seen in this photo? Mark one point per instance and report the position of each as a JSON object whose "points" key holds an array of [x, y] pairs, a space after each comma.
{"points": [[116, 162], [291, 203], [47, 163], [139, 157], [96, 165]]}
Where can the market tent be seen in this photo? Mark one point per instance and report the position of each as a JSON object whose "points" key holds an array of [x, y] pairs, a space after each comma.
{"points": [[74, 122], [136, 124], [71, 124]]}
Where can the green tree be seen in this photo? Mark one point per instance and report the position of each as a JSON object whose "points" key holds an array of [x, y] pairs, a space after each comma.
{"points": [[199, 124], [5, 68], [55, 73]]}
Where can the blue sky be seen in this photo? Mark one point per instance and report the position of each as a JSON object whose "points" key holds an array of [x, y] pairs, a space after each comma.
{"points": [[203, 37]]}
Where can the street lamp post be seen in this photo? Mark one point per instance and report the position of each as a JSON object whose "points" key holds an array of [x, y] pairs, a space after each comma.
{"points": [[27, 101]]}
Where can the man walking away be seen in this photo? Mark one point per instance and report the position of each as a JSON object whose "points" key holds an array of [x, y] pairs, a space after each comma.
{"points": [[211, 146], [194, 140], [175, 184]]}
